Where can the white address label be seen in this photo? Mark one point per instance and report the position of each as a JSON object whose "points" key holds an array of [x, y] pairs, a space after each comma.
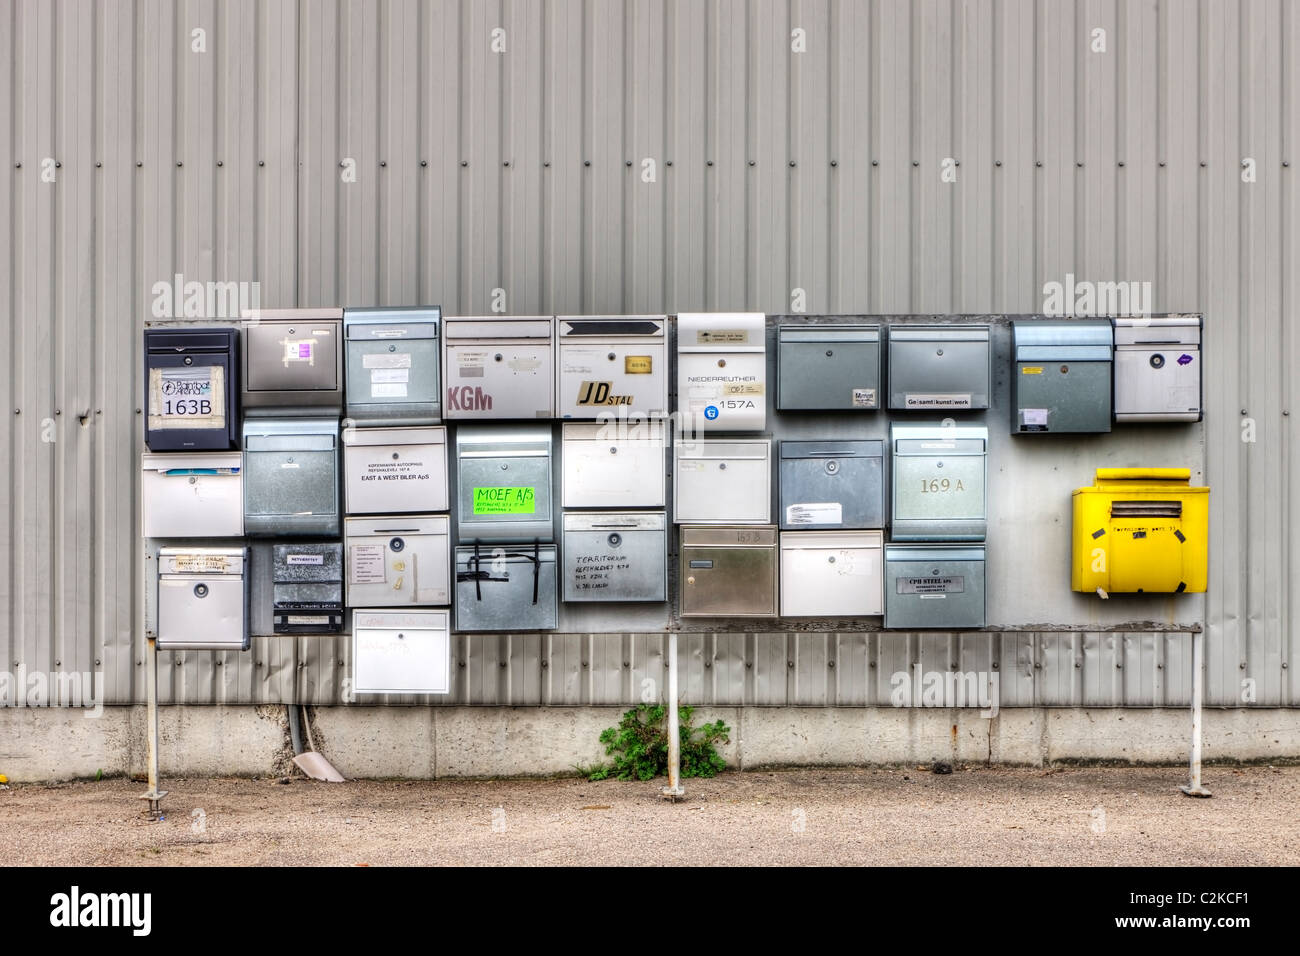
{"points": [[821, 512]]}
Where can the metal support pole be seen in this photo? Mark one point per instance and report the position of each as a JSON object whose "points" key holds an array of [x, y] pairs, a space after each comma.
{"points": [[674, 791], [1193, 787], [154, 795]]}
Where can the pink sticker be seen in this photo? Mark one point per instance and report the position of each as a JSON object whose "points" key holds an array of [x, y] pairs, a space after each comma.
{"points": [[304, 350]]}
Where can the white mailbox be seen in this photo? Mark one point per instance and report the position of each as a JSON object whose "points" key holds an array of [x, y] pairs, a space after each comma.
{"points": [[611, 364], [192, 495], [498, 366], [203, 599], [832, 574], [401, 560], [1158, 369], [395, 470], [618, 465], [401, 652], [722, 371], [722, 481]]}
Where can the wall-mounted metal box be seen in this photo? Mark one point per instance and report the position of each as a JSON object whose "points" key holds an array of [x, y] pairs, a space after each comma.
{"points": [[401, 652], [939, 483], [728, 572], [505, 588], [293, 362], [191, 389], [722, 371], [613, 466], [399, 560], [1158, 369], [192, 496], [497, 366], [307, 588], [939, 367], [291, 476], [828, 367], [203, 599], [394, 365], [1141, 529], [934, 585], [615, 556], [612, 364], [1061, 376], [504, 483], [395, 470], [722, 481], [832, 484], [832, 574]]}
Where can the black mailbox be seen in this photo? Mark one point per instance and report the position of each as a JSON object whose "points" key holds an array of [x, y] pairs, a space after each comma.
{"points": [[191, 381]]}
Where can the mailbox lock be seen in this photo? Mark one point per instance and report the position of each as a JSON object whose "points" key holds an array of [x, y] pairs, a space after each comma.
{"points": [[938, 351], [615, 540], [497, 357], [392, 348], [1064, 369], [397, 544], [691, 579], [401, 636], [193, 480], [722, 466], [832, 467], [722, 363], [610, 356], [934, 571], [831, 559], [504, 466], [395, 456], [200, 590], [613, 450], [189, 360], [1157, 361], [938, 464], [291, 331], [829, 353]]}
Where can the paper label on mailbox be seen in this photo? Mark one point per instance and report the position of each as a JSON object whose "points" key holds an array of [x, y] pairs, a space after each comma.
{"points": [[863, 398], [409, 469], [821, 512], [387, 360], [1035, 418], [378, 375], [637, 364], [384, 390], [367, 564], [722, 337], [187, 397], [298, 350], [937, 400], [505, 501], [200, 563], [307, 619], [306, 559], [932, 587]]}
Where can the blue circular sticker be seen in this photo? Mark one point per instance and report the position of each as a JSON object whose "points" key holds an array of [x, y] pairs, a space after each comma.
{"points": [[711, 412]]}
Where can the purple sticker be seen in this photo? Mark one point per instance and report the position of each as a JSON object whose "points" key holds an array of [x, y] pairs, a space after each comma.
{"points": [[304, 350], [1184, 359]]}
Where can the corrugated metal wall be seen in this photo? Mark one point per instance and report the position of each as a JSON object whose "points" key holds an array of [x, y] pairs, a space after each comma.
{"points": [[503, 146]]}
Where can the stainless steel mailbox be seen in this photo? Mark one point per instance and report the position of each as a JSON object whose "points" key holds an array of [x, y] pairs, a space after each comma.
{"points": [[505, 588], [722, 481], [1061, 376], [939, 483], [939, 366], [203, 599], [401, 652], [192, 496], [293, 362], [395, 470], [721, 371], [497, 366], [934, 585], [615, 556], [291, 476], [1158, 369], [613, 465], [307, 588], [832, 574], [191, 389], [828, 367], [832, 484], [728, 572], [394, 365], [504, 483], [612, 364], [399, 560]]}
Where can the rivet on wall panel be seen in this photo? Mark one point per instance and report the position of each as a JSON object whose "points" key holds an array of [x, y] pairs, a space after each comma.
{"points": [[424, 162], [586, 162], [220, 163], [834, 162], [916, 162], [875, 162], [547, 164], [98, 164], [464, 162], [1079, 164], [506, 163], [1038, 162], [668, 163], [383, 162], [1120, 163], [179, 163], [138, 164], [58, 165], [997, 162], [1162, 162], [261, 162], [1202, 162], [708, 163], [751, 162], [628, 163], [792, 163], [18, 165]]}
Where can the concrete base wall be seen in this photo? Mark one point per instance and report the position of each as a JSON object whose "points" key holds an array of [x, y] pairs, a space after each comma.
{"points": [[425, 742]]}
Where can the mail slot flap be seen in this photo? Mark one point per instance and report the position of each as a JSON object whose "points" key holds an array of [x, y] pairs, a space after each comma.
{"points": [[833, 449], [200, 464], [533, 327], [721, 332], [613, 326], [204, 561], [934, 447], [397, 322], [396, 526], [362, 437], [939, 333], [756, 450], [1171, 508], [1180, 331], [179, 341], [615, 521], [940, 433], [492, 443], [831, 540], [296, 442], [650, 432], [1080, 339], [296, 315], [812, 334], [751, 537], [399, 620], [936, 554], [1063, 353], [1143, 474], [295, 563]]}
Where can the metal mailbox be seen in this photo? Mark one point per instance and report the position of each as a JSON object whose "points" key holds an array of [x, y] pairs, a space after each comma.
{"points": [[191, 389], [613, 466], [395, 470], [291, 476], [832, 574], [612, 364], [307, 588], [401, 652], [828, 368], [728, 572], [1061, 377], [293, 362], [832, 484], [497, 366], [203, 599], [934, 585], [192, 496], [505, 587], [722, 371], [504, 483], [722, 481], [939, 366], [615, 556], [401, 560], [1141, 529], [394, 365], [1158, 370], [939, 483]]}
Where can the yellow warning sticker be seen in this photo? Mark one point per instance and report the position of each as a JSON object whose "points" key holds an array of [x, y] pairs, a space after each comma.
{"points": [[1032, 370]]}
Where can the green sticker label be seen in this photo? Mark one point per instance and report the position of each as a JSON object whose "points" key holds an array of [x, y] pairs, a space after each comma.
{"points": [[505, 501]]}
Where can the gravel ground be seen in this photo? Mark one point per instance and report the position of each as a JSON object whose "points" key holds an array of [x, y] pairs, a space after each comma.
{"points": [[1113, 816]]}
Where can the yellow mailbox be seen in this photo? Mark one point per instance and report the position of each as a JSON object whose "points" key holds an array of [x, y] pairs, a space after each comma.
{"points": [[1141, 529]]}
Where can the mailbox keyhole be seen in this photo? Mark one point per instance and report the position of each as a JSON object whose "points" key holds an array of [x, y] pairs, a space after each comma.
{"points": [[397, 544], [1157, 361], [504, 466], [722, 466], [401, 636], [392, 348], [200, 590], [610, 356], [1064, 369], [188, 360], [193, 480], [497, 357], [832, 467], [291, 331], [938, 464], [722, 363], [395, 456], [615, 540], [831, 559], [935, 571], [829, 353], [938, 351], [613, 450]]}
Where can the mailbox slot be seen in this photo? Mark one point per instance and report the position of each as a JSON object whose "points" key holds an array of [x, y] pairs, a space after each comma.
{"points": [[722, 481], [934, 586], [613, 466], [1061, 379], [307, 588], [395, 470], [293, 362], [1158, 370], [399, 560], [291, 476], [394, 365], [939, 367], [202, 599], [192, 496], [401, 652], [504, 483], [191, 389], [832, 485], [505, 587], [615, 556], [831, 574], [499, 367], [612, 364], [721, 371], [828, 368], [729, 572], [939, 483]]}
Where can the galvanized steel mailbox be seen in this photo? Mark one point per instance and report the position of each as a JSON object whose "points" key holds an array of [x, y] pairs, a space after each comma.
{"points": [[394, 365], [728, 572], [721, 371], [504, 483], [1061, 376], [939, 367], [828, 368], [613, 465], [832, 484], [497, 366], [612, 364], [203, 599], [291, 476], [191, 389], [399, 560], [192, 496], [1158, 370], [722, 481], [939, 483], [307, 588], [615, 556], [293, 362], [395, 470], [401, 652], [506, 587], [831, 574], [934, 586]]}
